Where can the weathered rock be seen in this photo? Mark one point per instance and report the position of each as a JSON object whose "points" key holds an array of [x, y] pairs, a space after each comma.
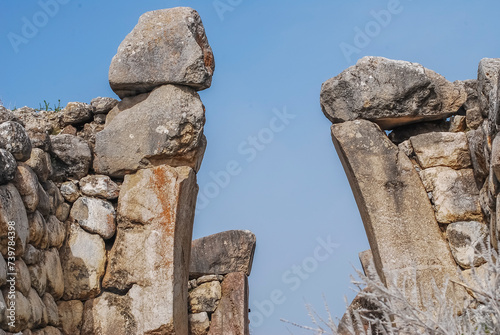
{"points": [[487, 87], [38, 234], [26, 183], [83, 259], [95, 216], [56, 232], [477, 278], [52, 310], [62, 212], [205, 297], [32, 255], [23, 315], [3, 314], [166, 128], [367, 263], [391, 93], [478, 151], [208, 278], [44, 202], [70, 317], [473, 118], [126, 103], [231, 316], [398, 217], [40, 163], [99, 186], [76, 113], [38, 310], [40, 121], [198, 323], [14, 139], [100, 119], [55, 278], [455, 194], [73, 157], [68, 130], [23, 279], [467, 241], [39, 139], [70, 191], [167, 46], [55, 197], [89, 133], [457, 123], [3, 271], [495, 157], [442, 149], [47, 331], [223, 253], [102, 105], [150, 254], [13, 218], [38, 275], [7, 115], [472, 102], [403, 133], [8, 166]]}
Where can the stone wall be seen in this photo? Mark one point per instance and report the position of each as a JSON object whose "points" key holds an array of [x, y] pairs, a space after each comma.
{"points": [[422, 158], [97, 202]]}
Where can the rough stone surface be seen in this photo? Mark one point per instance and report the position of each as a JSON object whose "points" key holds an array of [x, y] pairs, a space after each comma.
{"points": [[12, 211], [208, 278], [83, 260], [363, 307], [23, 279], [167, 46], [52, 311], [198, 324], [403, 133], [76, 113], [472, 94], [205, 297], [442, 149], [455, 194], [126, 103], [398, 217], [38, 235], [70, 191], [14, 139], [495, 157], [223, 253], [55, 278], [95, 216], [44, 202], [72, 157], [479, 277], [457, 123], [40, 163], [26, 183], [70, 316], [473, 118], [24, 318], [391, 93], [477, 145], [467, 241], [32, 255], [7, 115], [150, 254], [62, 212], [487, 87], [231, 316], [99, 186], [8, 166], [38, 309], [3, 271], [166, 128], [102, 105], [56, 232]]}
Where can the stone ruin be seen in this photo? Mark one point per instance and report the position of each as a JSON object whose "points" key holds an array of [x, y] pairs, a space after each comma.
{"points": [[422, 156], [97, 202]]}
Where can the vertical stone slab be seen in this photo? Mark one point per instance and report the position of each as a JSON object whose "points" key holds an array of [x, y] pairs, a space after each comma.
{"points": [[231, 316], [149, 262], [404, 236]]}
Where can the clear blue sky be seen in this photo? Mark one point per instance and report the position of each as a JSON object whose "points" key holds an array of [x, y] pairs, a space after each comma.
{"points": [[270, 56]]}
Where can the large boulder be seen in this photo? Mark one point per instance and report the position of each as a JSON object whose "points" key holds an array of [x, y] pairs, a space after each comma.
{"points": [[391, 93], [83, 259], [166, 128], [95, 216], [398, 217], [72, 157], [14, 139], [13, 219], [167, 46], [8, 166], [442, 149], [223, 253], [468, 242]]}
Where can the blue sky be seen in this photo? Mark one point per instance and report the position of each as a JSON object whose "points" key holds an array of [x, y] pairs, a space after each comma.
{"points": [[271, 58]]}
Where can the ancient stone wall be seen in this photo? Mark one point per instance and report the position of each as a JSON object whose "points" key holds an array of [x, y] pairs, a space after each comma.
{"points": [[97, 202], [422, 158]]}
